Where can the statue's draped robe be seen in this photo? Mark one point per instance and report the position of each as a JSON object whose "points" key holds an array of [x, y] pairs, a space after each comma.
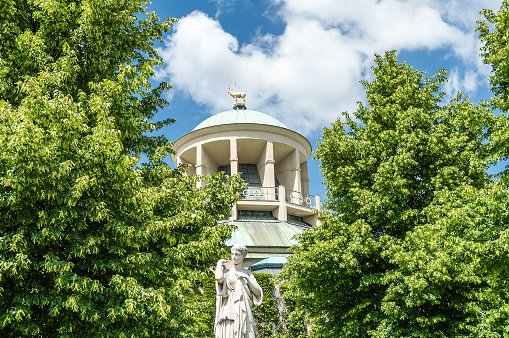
{"points": [[234, 318]]}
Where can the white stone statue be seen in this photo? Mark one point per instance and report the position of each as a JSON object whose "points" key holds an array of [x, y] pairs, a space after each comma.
{"points": [[236, 95], [237, 290]]}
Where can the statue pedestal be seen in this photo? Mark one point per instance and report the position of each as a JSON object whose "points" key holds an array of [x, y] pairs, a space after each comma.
{"points": [[239, 106]]}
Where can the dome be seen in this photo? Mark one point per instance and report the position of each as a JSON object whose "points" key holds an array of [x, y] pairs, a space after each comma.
{"points": [[240, 116]]}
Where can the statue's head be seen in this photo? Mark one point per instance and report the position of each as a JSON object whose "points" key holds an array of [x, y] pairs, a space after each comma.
{"points": [[240, 248]]}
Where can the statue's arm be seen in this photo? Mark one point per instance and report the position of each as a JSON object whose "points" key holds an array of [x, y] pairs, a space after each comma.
{"points": [[253, 285], [219, 274]]}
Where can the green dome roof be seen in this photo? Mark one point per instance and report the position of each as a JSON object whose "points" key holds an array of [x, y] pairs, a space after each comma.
{"points": [[240, 116]]}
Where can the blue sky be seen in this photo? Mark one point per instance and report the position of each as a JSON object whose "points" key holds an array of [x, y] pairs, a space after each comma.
{"points": [[301, 61]]}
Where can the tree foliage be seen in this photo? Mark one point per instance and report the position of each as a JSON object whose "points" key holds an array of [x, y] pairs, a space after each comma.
{"points": [[92, 242], [450, 275], [494, 33], [414, 224], [495, 51]]}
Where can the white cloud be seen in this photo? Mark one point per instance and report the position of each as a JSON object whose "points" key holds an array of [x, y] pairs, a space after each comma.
{"points": [[309, 74], [466, 81]]}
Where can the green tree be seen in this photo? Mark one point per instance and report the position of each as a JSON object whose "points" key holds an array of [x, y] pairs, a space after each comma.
{"points": [[94, 243], [494, 33], [495, 51], [394, 175], [450, 276]]}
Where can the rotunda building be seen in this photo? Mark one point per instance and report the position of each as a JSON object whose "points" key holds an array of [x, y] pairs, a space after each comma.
{"points": [[272, 160]]}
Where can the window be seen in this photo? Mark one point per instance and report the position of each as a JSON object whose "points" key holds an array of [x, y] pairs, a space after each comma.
{"points": [[249, 174], [227, 171], [254, 215]]}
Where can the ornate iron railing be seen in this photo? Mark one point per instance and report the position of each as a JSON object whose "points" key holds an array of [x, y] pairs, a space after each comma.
{"points": [[253, 193], [300, 198]]}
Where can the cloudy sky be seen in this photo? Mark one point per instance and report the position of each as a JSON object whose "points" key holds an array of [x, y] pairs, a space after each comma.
{"points": [[301, 61]]}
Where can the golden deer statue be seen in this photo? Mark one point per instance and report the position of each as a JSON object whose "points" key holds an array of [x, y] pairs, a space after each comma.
{"points": [[236, 95]]}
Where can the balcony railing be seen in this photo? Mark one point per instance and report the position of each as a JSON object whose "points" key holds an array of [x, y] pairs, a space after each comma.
{"points": [[300, 198], [253, 193]]}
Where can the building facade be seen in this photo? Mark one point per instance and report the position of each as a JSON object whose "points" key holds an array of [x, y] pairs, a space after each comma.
{"points": [[272, 160]]}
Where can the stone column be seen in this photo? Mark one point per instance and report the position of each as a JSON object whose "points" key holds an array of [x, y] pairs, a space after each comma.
{"points": [[200, 165], [266, 168], [297, 183], [178, 163], [269, 178], [234, 158], [234, 169], [317, 207], [317, 202], [304, 177], [282, 214]]}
